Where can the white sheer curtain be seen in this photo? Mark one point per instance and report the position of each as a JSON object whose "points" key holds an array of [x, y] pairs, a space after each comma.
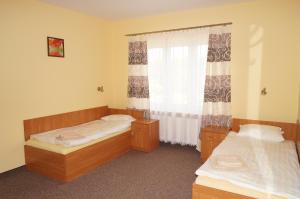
{"points": [[176, 72]]}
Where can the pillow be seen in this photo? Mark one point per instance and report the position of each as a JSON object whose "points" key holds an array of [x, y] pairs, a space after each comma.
{"points": [[260, 128], [262, 132], [118, 117]]}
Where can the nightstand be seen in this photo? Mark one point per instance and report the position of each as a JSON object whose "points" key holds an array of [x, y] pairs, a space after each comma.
{"points": [[145, 135], [211, 137]]}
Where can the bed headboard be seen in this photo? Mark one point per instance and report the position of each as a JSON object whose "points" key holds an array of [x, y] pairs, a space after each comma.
{"points": [[47, 123], [290, 129]]}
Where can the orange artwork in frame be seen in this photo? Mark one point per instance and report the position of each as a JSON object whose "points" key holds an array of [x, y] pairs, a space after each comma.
{"points": [[55, 47]]}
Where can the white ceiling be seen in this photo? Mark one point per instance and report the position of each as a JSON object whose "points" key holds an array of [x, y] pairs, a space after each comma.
{"points": [[121, 9]]}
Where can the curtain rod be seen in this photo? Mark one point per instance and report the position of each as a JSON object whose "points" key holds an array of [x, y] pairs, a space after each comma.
{"points": [[170, 30]]}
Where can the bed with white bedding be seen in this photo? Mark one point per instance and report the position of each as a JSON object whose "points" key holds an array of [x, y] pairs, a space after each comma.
{"points": [[80, 134], [67, 145], [266, 167]]}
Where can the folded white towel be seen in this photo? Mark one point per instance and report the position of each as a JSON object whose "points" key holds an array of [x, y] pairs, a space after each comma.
{"points": [[227, 162], [68, 136]]}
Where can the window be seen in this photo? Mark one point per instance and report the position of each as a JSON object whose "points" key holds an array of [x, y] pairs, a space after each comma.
{"points": [[176, 75]]}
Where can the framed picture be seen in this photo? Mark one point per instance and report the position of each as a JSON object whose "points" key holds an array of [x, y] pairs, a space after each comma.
{"points": [[55, 47]]}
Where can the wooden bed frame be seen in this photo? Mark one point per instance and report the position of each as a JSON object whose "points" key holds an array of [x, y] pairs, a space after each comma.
{"points": [[204, 192], [67, 167]]}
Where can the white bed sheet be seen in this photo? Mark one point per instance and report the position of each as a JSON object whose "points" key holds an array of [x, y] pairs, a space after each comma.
{"points": [[267, 166], [81, 134]]}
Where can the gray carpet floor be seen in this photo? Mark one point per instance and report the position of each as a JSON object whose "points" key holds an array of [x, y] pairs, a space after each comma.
{"points": [[166, 173]]}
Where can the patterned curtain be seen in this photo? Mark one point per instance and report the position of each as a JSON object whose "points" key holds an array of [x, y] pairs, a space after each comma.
{"points": [[217, 92], [138, 86]]}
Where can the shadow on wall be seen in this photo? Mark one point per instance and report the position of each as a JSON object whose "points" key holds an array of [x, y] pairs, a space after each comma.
{"points": [[254, 71]]}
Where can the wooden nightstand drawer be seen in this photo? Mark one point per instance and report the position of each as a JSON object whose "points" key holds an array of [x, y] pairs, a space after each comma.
{"points": [[211, 137], [139, 128], [145, 135]]}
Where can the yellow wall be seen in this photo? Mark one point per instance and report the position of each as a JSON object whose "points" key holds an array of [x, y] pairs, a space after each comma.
{"points": [[33, 84], [265, 51]]}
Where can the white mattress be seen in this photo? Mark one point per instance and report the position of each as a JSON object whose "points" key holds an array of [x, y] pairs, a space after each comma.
{"points": [[266, 166], [81, 134]]}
